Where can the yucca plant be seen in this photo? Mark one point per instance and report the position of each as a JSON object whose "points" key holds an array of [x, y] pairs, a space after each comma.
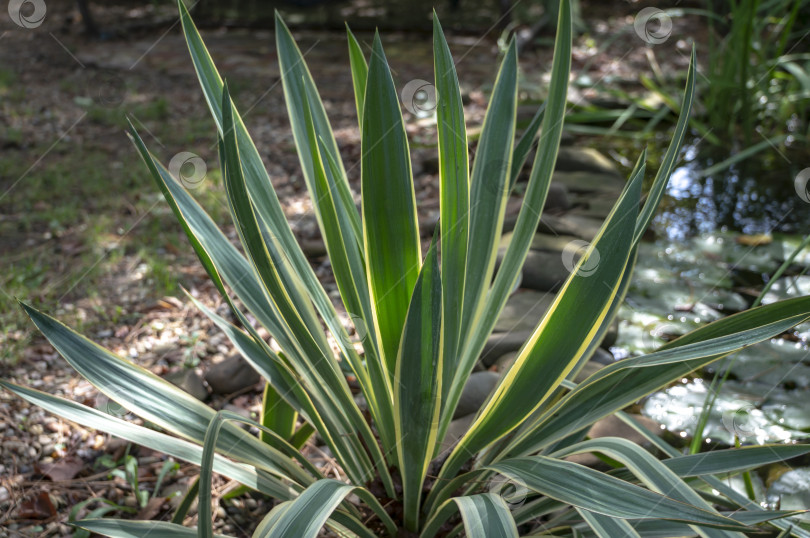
{"points": [[423, 322]]}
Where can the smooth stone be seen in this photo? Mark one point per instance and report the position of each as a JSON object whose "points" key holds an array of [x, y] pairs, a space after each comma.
{"points": [[190, 381], [523, 311], [499, 344], [557, 198], [475, 393], [455, 431], [594, 205], [545, 270], [570, 224], [504, 362], [611, 335], [572, 159], [231, 375], [580, 183], [556, 201]]}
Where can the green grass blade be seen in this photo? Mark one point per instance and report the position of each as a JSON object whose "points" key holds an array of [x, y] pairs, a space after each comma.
{"points": [[484, 516], [597, 492], [359, 74], [454, 196], [171, 446], [418, 379], [489, 188], [527, 219], [390, 226]]}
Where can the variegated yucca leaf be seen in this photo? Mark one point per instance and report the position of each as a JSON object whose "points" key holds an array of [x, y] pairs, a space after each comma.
{"points": [[422, 325]]}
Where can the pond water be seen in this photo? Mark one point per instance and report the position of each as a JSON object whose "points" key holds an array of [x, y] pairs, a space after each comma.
{"points": [[717, 240], [758, 195]]}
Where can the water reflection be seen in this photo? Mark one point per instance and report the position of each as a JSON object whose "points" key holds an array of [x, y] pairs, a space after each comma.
{"points": [[753, 197]]}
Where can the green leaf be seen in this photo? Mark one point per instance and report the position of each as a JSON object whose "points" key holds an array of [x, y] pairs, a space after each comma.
{"points": [[733, 459], [454, 197], [489, 188], [418, 379], [359, 74], [262, 195], [528, 219], [607, 527], [390, 226], [171, 446], [156, 400], [597, 492], [653, 473], [305, 516], [526, 141], [615, 387], [563, 335], [484, 516], [298, 88], [206, 466], [671, 155], [277, 415], [118, 528]]}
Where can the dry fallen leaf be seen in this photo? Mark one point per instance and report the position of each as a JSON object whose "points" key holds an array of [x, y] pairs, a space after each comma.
{"points": [[63, 469], [39, 507]]}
